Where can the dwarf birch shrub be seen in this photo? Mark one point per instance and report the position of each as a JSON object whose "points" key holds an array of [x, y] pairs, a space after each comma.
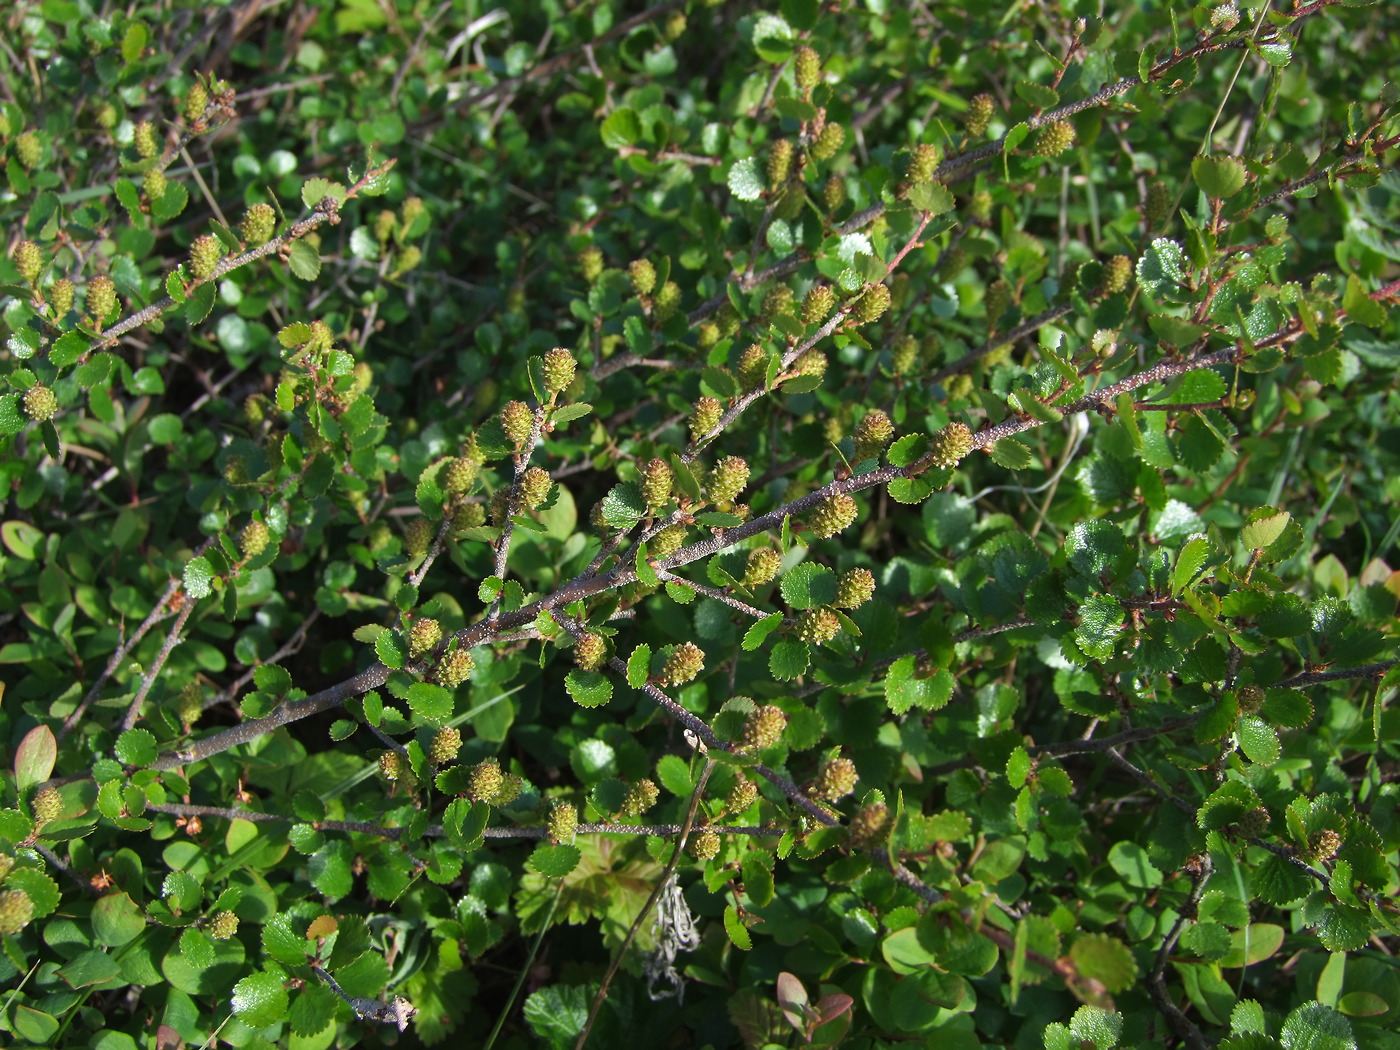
{"points": [[790, 524]]}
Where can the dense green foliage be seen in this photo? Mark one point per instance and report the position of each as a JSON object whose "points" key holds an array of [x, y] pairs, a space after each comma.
{"points": [[908, 489]]}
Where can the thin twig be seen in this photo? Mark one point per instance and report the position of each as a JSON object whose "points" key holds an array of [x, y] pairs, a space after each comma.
{"points": [[656, 892]]}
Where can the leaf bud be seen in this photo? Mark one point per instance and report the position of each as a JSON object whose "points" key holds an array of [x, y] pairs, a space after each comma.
{"points": [[818, 626], [406, 260], [952, 262], [236, 471], [423, 637], [1054, 139], [727, 479], [828, 141], [980, 110], [640, 797], [1117, 274], [981, 205], [413, 208], [752, 368], [905, 355], [29, 149], [1156, 207], [791, 203], [47, 806], [873, 433], [948, 446], [874, 302], [806, 69], [562, 823], [922, 164], [656, 484], [535, 484], [384, 224], [392, 765], [205, 253], [509, 791], [779, 301], [810, 363], [832, 515], [16, 911], [854, 588], [468, 516], [144, 137], [259, 223], [674, 26], [779, 163], [817, 304], [763, 565], [484, 780], [196, 99], [666, 301], [741, 796], [707, 335], [418, 535], [1323, 845], [764, 728], [1254, 823], [454, 668], [704, 845], [997, 301], [1250, 698], [590, 263], [189, 704], [683, 663], [517, 421], [590, 651], [666, 542], [558, 367], [29, 260], [40, 403], [458, 475], [642, 274], [254, 538], [835, 779], [61, 296], [867, 824], [153, 185], [704, 417], [834, 193], [446, 742], [106, 116], [1225, 17], [223, 925]]}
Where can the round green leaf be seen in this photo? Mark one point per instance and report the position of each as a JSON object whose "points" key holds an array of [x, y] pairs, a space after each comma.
{"points": [[260, 999]]}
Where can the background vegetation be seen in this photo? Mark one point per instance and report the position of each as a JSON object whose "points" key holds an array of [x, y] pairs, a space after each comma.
{"points": [[936, 462]]}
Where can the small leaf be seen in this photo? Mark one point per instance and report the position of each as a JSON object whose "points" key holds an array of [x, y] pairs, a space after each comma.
{"points": [[588, 688], [789, 659], [554, 862], [639, 666], [198, 577], [746, 179], [808, 585], [35, 758], [755, 635], [136, 747], [1219, 177], [304, 261], [260, 999], [1162, 268], [1011, 454], [390, 650], [1260, 532], [738, 933], [621, 127]]}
